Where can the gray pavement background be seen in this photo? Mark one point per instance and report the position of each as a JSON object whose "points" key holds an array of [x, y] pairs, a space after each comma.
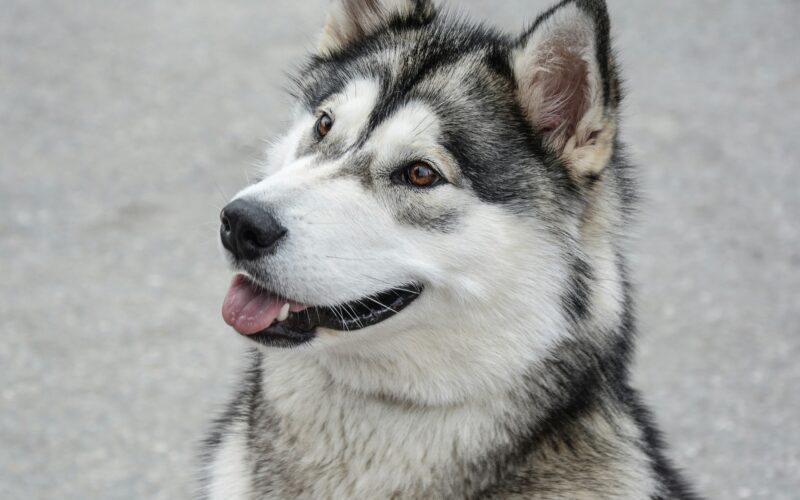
{"points": [[125, 125]]}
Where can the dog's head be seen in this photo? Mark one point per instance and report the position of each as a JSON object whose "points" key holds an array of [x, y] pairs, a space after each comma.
{"points": [[435, 186]]}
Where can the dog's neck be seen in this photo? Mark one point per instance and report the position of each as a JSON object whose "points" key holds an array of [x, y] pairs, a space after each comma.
{"points": [[352, 440]]}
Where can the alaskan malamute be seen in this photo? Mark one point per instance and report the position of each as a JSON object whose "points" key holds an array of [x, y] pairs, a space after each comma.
{"points": [[432, 272]]}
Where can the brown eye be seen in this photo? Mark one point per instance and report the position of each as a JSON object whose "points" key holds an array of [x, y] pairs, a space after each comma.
{"points": [[421, 174], [324, 125]]}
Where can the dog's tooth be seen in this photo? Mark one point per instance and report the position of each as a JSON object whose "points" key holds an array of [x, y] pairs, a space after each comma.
{"points": [[284, 312]]}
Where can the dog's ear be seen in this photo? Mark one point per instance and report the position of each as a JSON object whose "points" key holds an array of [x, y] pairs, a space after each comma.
{"points": [[567, 86], [351, 20]]}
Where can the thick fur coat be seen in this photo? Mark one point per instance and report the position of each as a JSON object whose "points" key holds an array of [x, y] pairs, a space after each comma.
{"points": [[477, 180]]}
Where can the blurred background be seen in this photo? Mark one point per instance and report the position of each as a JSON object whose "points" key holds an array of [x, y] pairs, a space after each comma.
{"points": [[126, 125]]}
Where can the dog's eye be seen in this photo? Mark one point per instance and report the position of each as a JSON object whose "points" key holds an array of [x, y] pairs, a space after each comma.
{"points": [[420, 174], [324, 125]]}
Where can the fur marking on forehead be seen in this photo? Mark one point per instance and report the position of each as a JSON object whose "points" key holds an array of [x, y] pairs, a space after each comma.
{"points": [[351, 108], [413, 127]]}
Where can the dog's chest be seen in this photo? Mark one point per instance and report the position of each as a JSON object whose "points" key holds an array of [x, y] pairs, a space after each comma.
{"points": [[320, 441]]}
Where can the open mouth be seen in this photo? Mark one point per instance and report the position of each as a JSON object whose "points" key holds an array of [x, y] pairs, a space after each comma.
{"points": [[272, 320]]}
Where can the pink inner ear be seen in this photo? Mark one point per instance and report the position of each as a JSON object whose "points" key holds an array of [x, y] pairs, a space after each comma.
{"points": [[560, 89]]}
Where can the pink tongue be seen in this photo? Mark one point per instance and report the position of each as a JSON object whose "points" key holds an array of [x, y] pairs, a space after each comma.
{"points": [[249, 310]]}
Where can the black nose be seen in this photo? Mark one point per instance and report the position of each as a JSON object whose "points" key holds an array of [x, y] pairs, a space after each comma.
{"points": [[248, 230]]}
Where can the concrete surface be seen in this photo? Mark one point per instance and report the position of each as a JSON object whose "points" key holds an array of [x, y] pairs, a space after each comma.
{"points": [[125, 125]]}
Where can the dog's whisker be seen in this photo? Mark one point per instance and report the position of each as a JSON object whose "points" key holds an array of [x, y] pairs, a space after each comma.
{"points": [[337, 311], [354, 316], [381, 304]]}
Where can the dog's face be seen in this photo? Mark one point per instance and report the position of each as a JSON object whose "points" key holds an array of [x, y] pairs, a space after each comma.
{"points": [[431, 181]]}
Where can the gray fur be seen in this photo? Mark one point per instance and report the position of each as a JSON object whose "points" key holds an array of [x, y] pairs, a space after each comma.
{"points": [[351, 416]]}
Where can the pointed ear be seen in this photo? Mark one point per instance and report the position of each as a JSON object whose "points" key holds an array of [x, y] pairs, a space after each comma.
{"points": [[567, 86], [350, 20]]}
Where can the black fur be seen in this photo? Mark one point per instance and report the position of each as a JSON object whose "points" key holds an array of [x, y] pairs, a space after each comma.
{"points": [[505, 162]]}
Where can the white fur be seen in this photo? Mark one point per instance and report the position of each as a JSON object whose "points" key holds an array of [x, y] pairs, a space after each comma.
{"points": [[346, 244], [356, 447], [363, 413], [229, 473], [455, 352], [351, 108]]}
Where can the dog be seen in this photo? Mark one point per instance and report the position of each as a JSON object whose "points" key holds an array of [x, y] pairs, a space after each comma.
{"points": [[431, 272]]}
